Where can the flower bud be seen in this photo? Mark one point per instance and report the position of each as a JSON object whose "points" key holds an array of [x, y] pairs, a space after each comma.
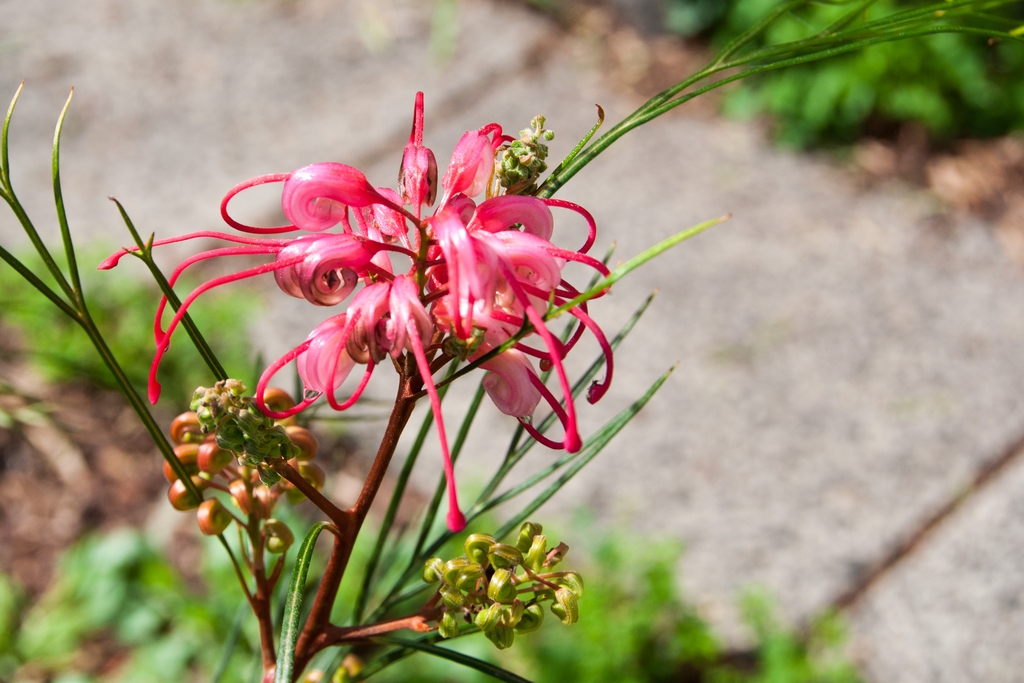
{"points": [[571, 581], [294, 495], [265, 501], [565, 606], [501, 636], [532, 619], [313, 676], [501, 587], [433, 570], [452, 568], [211, 458], [504, 556], [278, 400], [526, 534], [453, 597], [513, 614], [186, 454], [448, 625], [489, 617], [181, 498], [304, 440], [350, 667], [185, 429], [477, 546], [537, 554], [556, 555], [212, 517], [466, 579], [240, 495], [312, 473], [279, 536]]}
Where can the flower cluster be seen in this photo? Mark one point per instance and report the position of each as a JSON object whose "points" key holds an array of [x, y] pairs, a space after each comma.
{"points": [[482, 277], [501, 587], [223, 443]]}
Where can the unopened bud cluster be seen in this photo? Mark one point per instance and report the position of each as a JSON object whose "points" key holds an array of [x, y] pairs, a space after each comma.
{"points": [[522, 161], [216, 445], [501, 587]]}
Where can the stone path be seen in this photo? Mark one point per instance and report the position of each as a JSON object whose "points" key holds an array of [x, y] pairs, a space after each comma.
{"points": [[845, 366]]}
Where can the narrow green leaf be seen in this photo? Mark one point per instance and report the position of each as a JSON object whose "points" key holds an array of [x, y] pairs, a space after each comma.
{"points": [[457, 657], [145, 253], [58, 200], [5, 165], [541, 191], [31, 278], [590, 450], [293, 606]]}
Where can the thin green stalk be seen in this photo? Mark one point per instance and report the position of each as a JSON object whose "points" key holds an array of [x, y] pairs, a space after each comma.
{"points": [[58, 200], [31, 278]]}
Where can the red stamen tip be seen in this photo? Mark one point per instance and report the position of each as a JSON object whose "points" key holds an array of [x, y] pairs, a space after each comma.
{"points": [[456, 520]]}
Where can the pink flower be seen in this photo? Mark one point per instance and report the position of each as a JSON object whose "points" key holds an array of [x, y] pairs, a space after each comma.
{"points": [[486, 273]]}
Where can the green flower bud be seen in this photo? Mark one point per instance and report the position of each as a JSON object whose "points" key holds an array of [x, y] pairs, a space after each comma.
{"points": [[433, 570], [489, 618], [526, 534], [501, 587], [452, 568], [477, 546], [571, 581], [504, 556], [501, 636], [538, 552], [467, 577], [565, 606], [213, 519], [556, 555], [279, 536], [512, 615], [453, 597], [532, 619], [312, 473], [448, 625]]}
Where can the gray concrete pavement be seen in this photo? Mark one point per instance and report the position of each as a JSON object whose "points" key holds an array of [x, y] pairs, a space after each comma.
{"points": [[844, 364]]}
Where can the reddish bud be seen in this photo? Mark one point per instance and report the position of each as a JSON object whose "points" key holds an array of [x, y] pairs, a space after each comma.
{"points": [[240, 494], [211, 458], [312, 473], [278, 400], [181, 498], [304, 441], [186, 453], [279, 536], [185, 429], [265, 500], [212, 517]]}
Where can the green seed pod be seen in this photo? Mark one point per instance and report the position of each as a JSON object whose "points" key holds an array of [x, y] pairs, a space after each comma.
{"points": [[501, 636], [532, 619], [466, 578], [312, 473], [304, 440], [526, 534], [501, 588], [538, 553], [503, 556], [279, 536], [452, 568], [477, 546], [556, 555], [448, 625], [565, 606], [453, 597], [181, 498], [294, 495], [433, 570], [571, 581], [512, 615], [489, 618], [212, 517]]}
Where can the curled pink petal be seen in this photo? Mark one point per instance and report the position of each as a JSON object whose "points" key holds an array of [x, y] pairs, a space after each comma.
{"points": [[268, 374], [406, 308], [508, 383], [325, 271], [530, 259], [501, 213], [259, 180], [472, 163], [325, 363], [317, 197], [471, 266]]}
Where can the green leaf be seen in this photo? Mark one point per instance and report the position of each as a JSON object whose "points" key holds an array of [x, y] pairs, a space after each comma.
{"points": [[58, 200], [293, 606], [457, 657]]}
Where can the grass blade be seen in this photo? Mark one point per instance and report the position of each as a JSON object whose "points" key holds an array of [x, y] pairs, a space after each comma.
{"points": [[293, 606], [457, 657]]}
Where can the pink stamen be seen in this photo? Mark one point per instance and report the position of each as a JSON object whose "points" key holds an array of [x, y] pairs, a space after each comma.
{"points": [[154, 385], [113, 259], [556, 408], [456, 520], [591, 223], [252, 182], [597, 389], [268, 374]]}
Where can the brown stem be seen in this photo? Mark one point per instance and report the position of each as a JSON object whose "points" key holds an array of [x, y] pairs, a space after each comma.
{"points": [[261, 599], [334, 635], [333, 512], [314, 633]]}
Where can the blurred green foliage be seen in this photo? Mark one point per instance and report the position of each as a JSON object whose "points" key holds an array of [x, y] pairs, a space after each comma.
{"points": [[954, 85], [122, 303]]}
